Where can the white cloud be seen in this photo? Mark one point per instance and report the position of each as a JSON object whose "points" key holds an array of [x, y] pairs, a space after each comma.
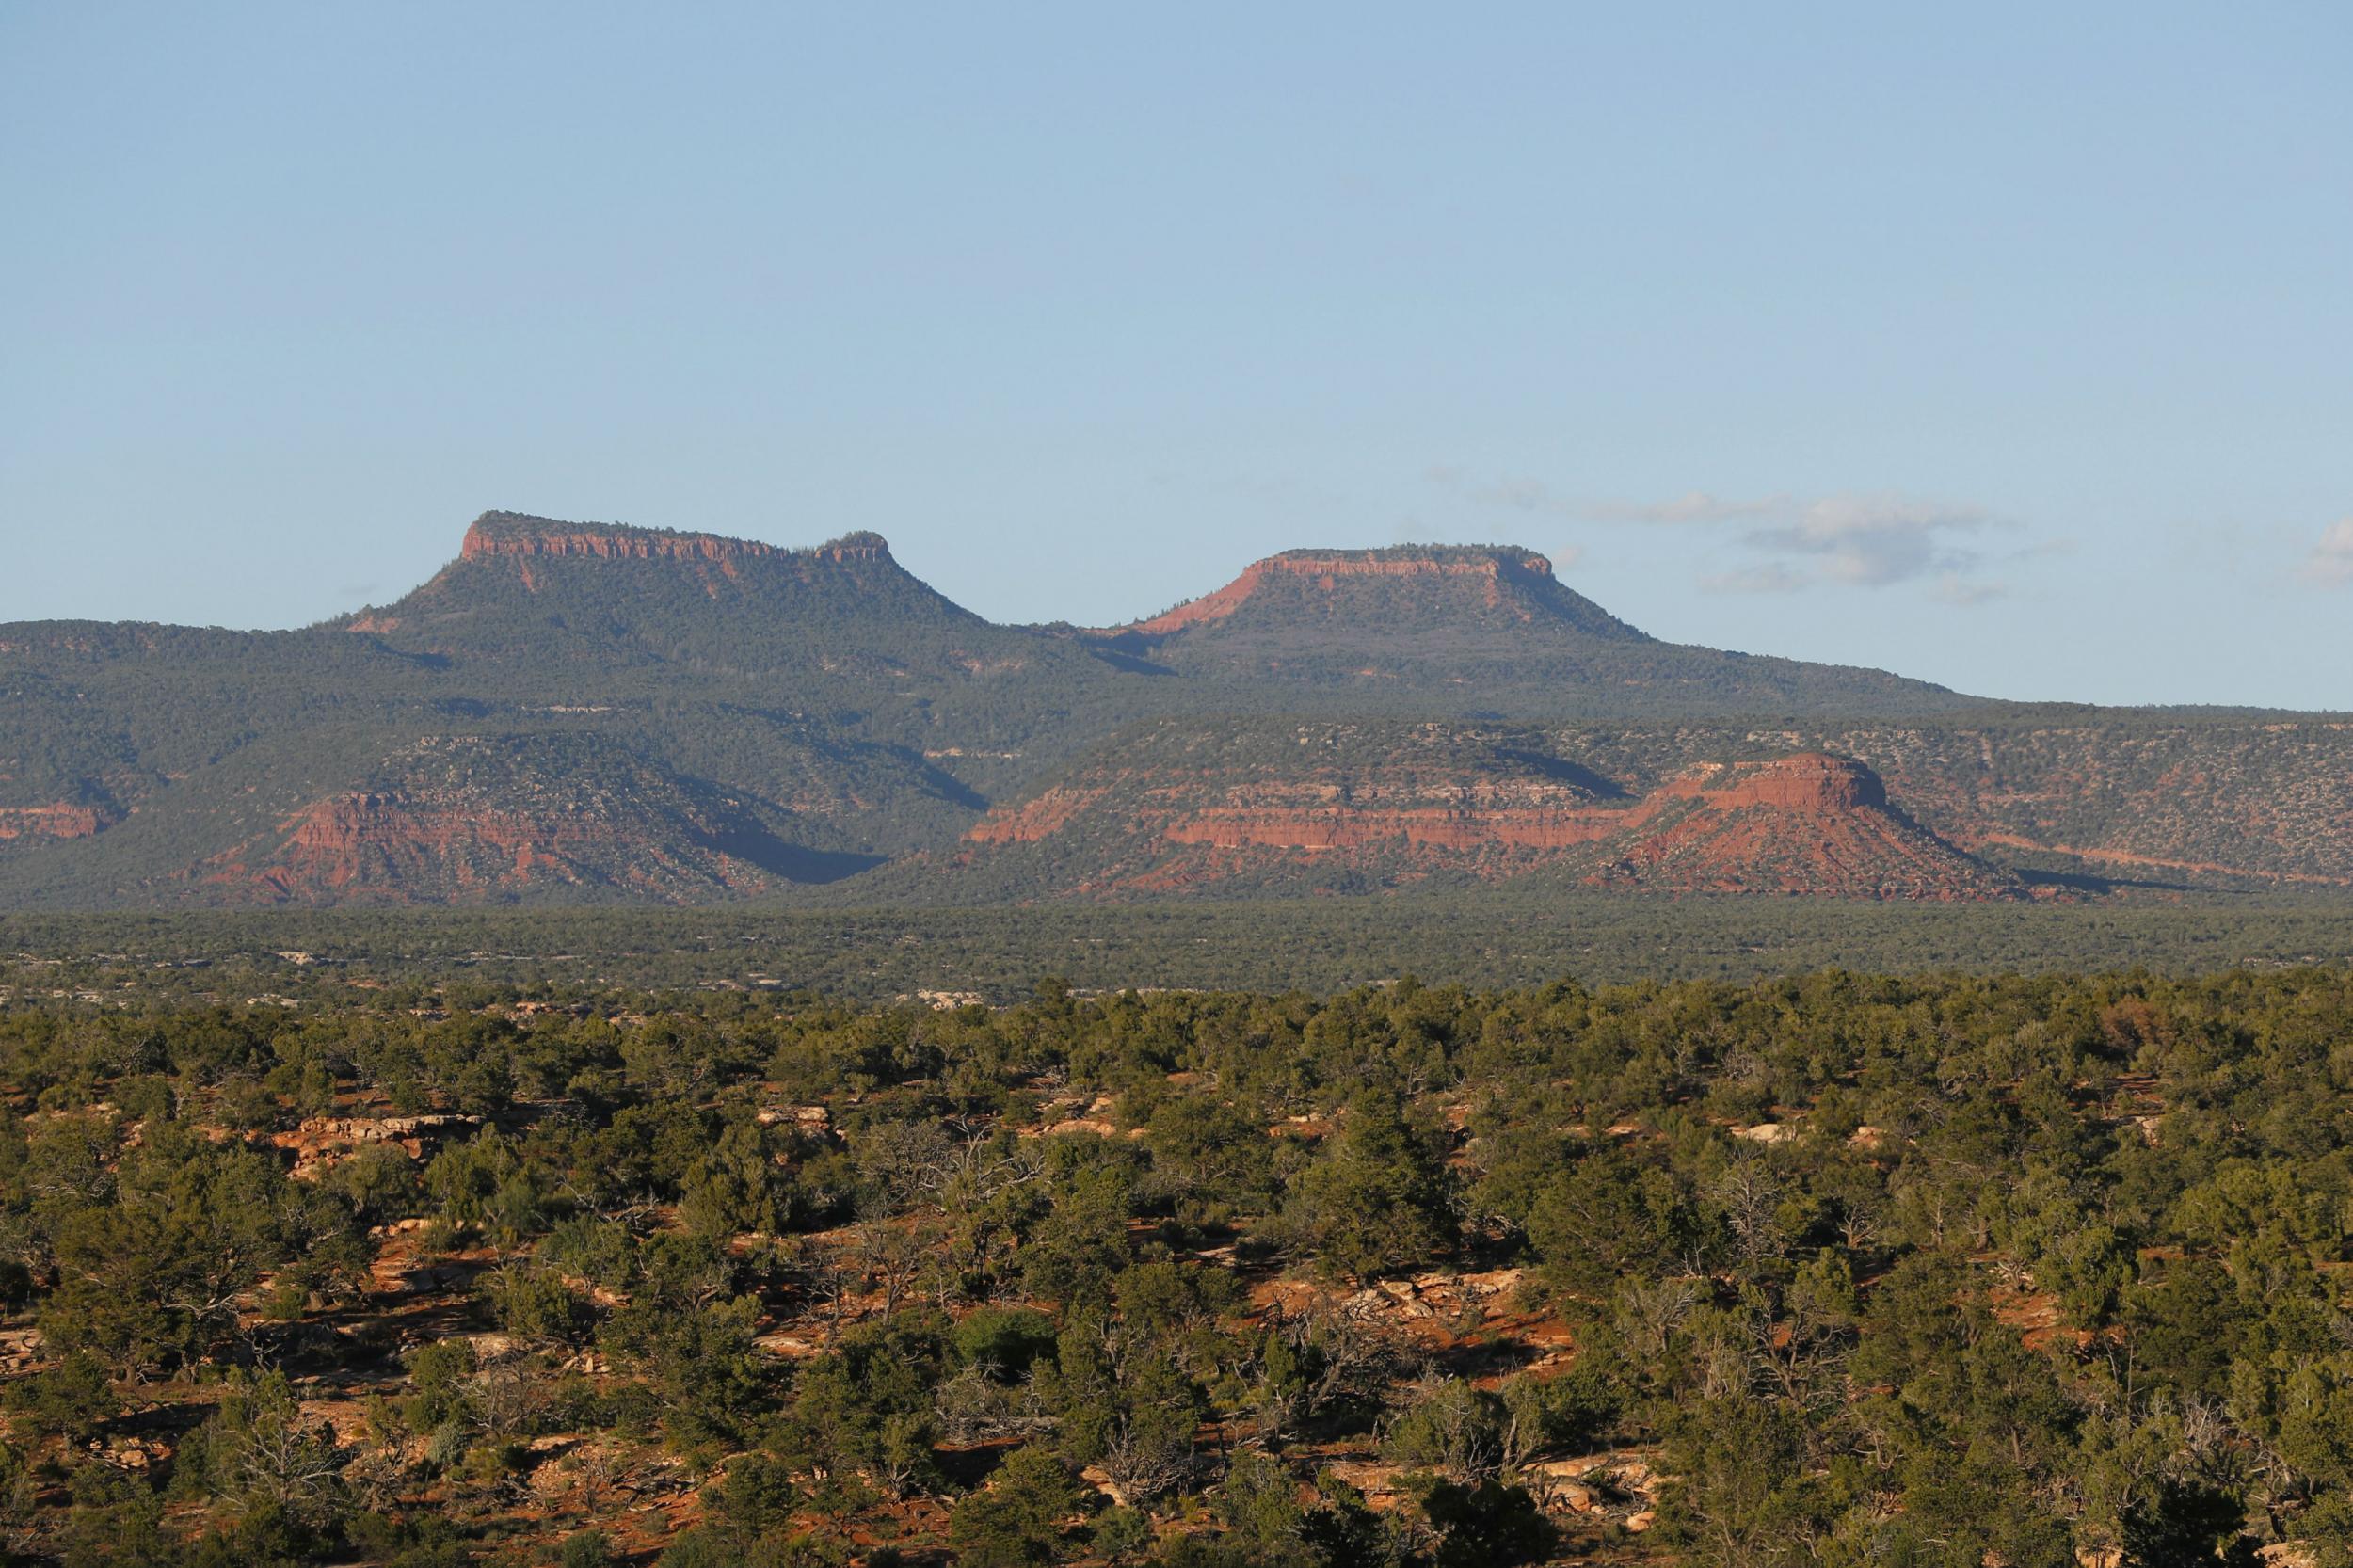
{"points": [[1873, 541], [2331, 563], [1870, 540]]}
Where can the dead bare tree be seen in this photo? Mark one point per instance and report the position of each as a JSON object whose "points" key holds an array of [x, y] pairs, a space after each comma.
{"points": [[893, 1256], [1749, 1195], [296, 1465]]}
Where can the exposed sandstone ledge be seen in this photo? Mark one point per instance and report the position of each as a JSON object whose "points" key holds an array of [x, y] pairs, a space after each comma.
{"points": [[1802, 822], [60, 820], [1035, 819], [1807, 781], [1326, 567], [385, 842], [1434, 828], [505, 534]]}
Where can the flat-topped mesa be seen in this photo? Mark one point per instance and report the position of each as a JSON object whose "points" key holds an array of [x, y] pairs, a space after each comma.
{"points": [[1411, 560], [1807, 781], [1507, 578], [602, 589], [507, 535]]}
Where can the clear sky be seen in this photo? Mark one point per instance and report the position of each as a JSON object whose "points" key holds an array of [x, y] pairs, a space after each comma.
{"points": [[2006, 345]]}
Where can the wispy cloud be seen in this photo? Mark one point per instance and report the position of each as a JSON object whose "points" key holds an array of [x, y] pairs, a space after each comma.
{"points": [[1849, 538], [2331, 563], [1873, 541]]}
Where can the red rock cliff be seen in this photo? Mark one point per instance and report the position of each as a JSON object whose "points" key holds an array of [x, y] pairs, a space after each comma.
{"points": [[1326, 567], [501, 534], [1808, 781], [54, 822]]}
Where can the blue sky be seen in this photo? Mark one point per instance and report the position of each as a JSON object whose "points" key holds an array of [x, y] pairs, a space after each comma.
{"points": [[2011, 346]]}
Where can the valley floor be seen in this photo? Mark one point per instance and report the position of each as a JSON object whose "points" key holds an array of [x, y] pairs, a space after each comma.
{"points": [[1001, 955]]}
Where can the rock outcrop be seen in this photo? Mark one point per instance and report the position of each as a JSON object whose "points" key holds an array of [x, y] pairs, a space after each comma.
{"points": [[1492, 586], [1035, 819], [514, 534], [1364, 808], [1494, 572], [60, 821], [466, 820], [1465, 829], [531, 545], [1808, 782], [1809, 823]]}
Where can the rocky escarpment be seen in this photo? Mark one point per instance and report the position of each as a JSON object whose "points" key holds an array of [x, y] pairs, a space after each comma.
{"points": [[510, 535], [1809, 782], [388, 839], [61, 820], [514, 535], [1341, 808], [1460, 827], [1810, 824], [471, 820], [1036, 819], [1481, 584], [1892, 810], [1420, 810], [1189, 808], [529, 547]]}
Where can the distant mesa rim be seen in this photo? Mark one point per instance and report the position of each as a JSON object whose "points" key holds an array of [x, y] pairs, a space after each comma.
{"points": [[507, 535], [1489, 561]]}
